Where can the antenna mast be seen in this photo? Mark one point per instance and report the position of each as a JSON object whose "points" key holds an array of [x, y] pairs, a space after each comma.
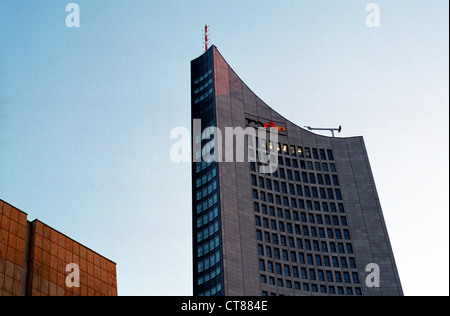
{"points": [[206, 38]]}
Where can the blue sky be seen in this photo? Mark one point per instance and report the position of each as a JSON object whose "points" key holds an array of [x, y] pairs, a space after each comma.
{"points": [[86, 115]]}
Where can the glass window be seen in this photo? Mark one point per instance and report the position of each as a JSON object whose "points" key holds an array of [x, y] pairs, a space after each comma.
{"points": [[262, 266], [302, 164], [330, 154], [338, 195], [317, 166], [315, 153], [335, 180], [278, 269], [355, 278], [307, 152], [300, 151], [287, 270], [293, 152]]}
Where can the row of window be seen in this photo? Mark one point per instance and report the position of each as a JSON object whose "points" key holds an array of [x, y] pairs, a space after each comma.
{"points": [[306, 165], [207, 232], [201, 194], [208, 247], [203, 77], [309, 274], [200, 166], [209, 276], [339, 290], [204, 96], [209, 262], [206, 178], [300, 151], [208, 217], [300, 243], [215, 290], [310, 259], [203, 86], [312, 192], [207, 204], [304, 217], [306, 178], [337, 221]]}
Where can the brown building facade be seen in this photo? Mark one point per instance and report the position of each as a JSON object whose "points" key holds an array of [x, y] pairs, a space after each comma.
{"points": [[37, 260]]}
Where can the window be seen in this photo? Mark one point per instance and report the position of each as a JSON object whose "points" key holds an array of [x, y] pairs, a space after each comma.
{"points": [[261, 183], [315, 153], [300, 151], [307, 152], [276, 185], [301, 258], [259, 235], [317, 166], [293, 152], [263, 279], [330, 154], [355, 278], [275, 239], [330, 194], [293, 256], [287, 271], [304, 274], [321, 275], [262, 266], [335, 180], [330, 276], [278, 269], [268, 252], [322, 154], [338, 277], [270, 267], [335, 262], [276, 253]]}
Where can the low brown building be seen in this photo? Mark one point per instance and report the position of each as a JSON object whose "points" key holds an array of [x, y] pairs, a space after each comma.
{"points": [[37, 260]]}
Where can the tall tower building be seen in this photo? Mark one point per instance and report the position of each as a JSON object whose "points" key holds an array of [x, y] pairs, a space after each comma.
{"points": [[312, 227]]}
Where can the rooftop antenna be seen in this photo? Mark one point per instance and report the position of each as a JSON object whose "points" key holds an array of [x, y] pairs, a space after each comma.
{"points": [[332, 130], [206, 38]]}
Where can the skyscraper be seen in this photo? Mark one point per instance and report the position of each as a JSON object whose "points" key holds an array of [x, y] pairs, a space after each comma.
{"points": [[314, 226]]}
